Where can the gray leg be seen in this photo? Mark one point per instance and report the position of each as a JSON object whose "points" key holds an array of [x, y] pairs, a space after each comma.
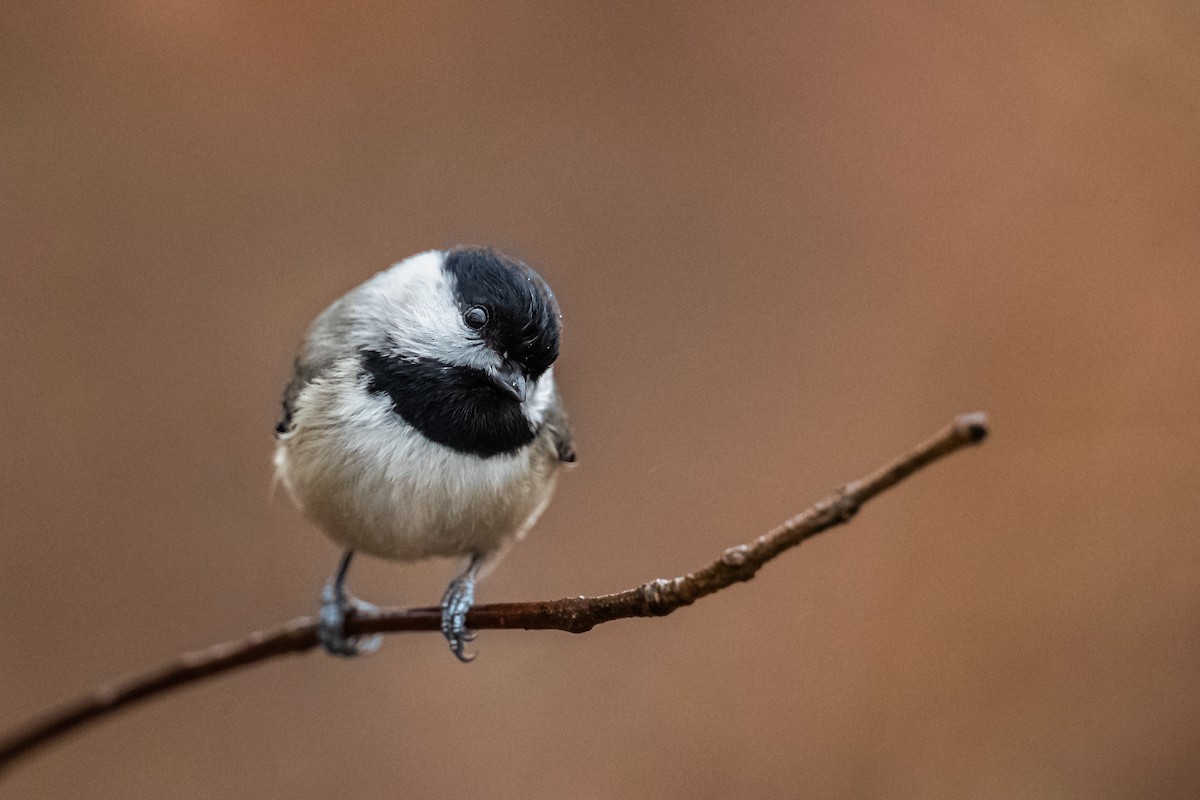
{"points": [[336, 603], [456, 602]]}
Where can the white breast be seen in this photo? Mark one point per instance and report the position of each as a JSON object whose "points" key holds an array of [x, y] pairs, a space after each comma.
{"points": [[373, 483]]}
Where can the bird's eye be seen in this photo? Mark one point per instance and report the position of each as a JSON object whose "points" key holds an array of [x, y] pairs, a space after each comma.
{"points": [[476, 317]]}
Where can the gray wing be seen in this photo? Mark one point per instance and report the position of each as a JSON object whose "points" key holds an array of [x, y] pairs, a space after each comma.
{"points": [[329, 339], [560, 430], [299, 380]]}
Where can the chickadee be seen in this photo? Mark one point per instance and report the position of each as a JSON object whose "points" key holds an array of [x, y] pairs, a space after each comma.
{"points": [[423, 421]]}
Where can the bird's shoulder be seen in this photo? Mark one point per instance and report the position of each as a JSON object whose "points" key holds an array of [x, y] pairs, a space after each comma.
{"points": [[558, 425], [329, 338]]}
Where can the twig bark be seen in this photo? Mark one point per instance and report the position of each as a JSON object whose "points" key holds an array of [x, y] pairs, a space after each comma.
{"points": [[575, 614]]}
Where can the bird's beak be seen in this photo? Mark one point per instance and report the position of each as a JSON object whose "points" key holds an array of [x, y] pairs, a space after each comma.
{"points": [[511, 380]]}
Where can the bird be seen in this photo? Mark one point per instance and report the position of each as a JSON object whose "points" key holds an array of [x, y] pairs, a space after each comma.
{"points": [[423, 421]]}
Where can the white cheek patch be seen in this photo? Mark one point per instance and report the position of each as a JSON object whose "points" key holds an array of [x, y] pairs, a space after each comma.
{"points": [[414, 302]]}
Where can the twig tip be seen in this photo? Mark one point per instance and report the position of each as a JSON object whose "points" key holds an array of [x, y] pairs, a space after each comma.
{"points": [[975, 425]]}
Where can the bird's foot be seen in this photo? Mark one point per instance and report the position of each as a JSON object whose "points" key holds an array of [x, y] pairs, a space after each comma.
{"points": [[336, 605], [456, 602]]}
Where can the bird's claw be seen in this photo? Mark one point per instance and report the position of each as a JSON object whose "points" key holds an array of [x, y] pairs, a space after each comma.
{"points": [[456, 602], [331, 625]]}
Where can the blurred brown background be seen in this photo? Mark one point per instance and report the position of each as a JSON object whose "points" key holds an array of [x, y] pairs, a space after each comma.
{"points": [[790, 241]]}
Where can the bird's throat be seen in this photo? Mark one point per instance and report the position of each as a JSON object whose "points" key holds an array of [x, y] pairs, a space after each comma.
{"points": [[455, 406]]}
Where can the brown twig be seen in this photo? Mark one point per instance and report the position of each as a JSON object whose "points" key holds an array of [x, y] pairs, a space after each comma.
{"points": [[576, 615]]}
